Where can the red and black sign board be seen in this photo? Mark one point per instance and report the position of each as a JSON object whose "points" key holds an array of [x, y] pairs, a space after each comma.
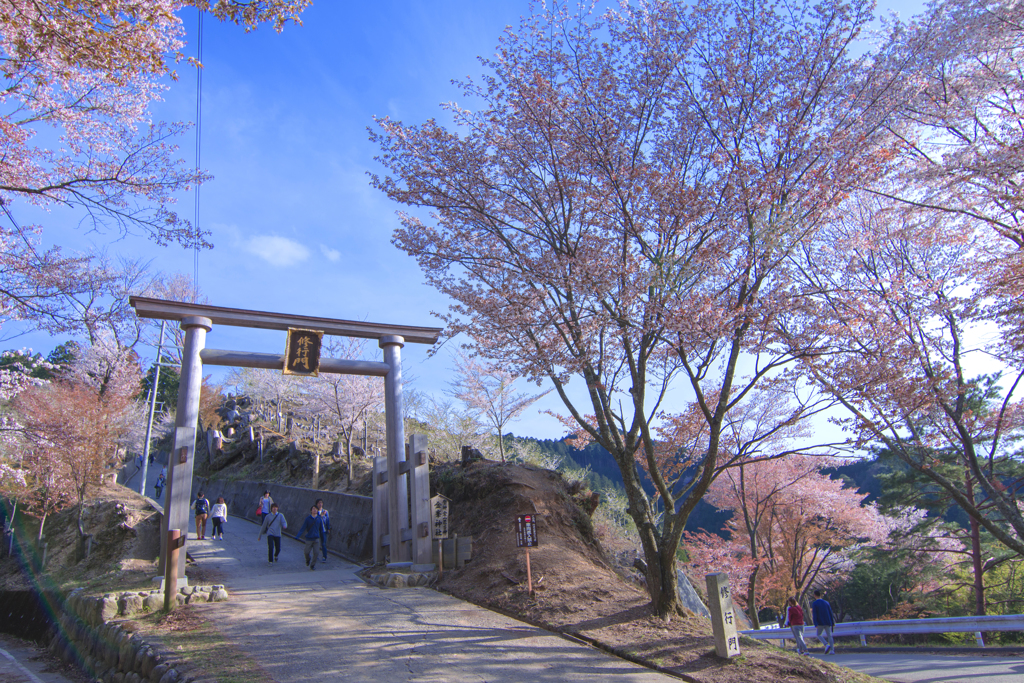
{"points": [[526, 531], [302, 352]]}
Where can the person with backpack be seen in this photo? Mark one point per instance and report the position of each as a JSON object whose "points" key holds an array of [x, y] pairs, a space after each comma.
{"points": [[202, 508], [325, 526], [273, 524], [309, 534], [158, 487]]}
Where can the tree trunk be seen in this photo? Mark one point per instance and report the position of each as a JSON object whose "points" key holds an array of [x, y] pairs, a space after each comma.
{"points": [[501, 446], [665, 586], [42, 521], [316, 468], [348, 455], [976, 561], [755, 622]]}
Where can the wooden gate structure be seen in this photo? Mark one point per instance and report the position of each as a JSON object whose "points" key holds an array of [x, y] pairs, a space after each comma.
{"points": [[405, 543]]}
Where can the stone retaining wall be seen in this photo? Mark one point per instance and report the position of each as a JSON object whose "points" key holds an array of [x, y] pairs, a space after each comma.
{"points": [[351, 515], [108, 653]]}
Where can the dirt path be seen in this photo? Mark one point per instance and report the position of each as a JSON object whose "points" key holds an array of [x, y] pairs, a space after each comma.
{"points": [[301, 625]]}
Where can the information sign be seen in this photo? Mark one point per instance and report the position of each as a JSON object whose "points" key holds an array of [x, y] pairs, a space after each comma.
{"points": [[439, 506], [526, 531]]}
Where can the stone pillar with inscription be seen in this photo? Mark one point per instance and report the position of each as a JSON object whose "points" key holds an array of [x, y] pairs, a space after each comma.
{"points": [[723, 616], [182, 458]]}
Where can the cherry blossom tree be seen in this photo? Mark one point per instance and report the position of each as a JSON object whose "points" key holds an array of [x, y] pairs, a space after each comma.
{"points": [[752, 491], [896, 325], [968, 116], [793, 529], [346, 400], [449, 426], [621, 206], [271, 391], [75, 131], [73, 428], [489, 392], [19, 371], [967, 140]]}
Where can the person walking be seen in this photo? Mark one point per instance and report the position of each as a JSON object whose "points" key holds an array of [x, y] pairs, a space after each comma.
{"points": [[824, 622], [202, 508], [325, 526], [263, 505], [309, 534], [273, 525], [219, 515], [158, 486], [795, 621]]}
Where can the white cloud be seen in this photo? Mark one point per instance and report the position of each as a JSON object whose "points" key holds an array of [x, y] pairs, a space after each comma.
{"points": [[277, 251], [331, 254]]}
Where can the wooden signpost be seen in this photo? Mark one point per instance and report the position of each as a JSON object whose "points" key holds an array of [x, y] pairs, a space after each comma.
{"points": [[526, 538], [439, 506]]}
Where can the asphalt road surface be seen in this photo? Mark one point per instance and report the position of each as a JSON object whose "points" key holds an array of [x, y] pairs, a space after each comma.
{"points": [[926, 668], [23, 662], [328, 625]]}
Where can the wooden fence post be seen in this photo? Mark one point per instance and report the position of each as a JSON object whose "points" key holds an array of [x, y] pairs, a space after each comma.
{"points": [[174, 544]]}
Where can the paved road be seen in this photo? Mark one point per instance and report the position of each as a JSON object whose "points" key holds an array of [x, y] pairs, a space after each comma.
{"points": [[130, 474], [910, 668], [327, 624], [23, 662], [301, 625]]}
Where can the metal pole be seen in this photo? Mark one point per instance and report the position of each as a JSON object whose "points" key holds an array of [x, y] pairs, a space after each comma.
{"points": [[398, 498], [152, 408], [179, 479]]}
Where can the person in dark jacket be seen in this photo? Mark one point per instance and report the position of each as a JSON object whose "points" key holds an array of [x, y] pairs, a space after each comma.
{"points": [[309, 533], [202, 508], [824, 622], [325, 527]]}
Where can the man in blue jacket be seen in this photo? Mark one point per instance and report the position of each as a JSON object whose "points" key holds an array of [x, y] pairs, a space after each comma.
{"points": [[824, 621], [309, 533], [325, 526]]}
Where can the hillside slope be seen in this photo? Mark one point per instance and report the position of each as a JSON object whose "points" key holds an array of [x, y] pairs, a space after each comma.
{"points": [[578, 590]]}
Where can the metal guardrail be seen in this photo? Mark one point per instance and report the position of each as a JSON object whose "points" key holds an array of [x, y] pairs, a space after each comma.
{"points": [[976, 625]]}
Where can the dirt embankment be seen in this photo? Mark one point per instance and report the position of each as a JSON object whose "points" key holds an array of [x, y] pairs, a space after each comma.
{"points": [[125, 531], [577, 588]]}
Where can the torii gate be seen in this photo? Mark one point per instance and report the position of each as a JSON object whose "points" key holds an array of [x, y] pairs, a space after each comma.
{"points": [[198, 319]]}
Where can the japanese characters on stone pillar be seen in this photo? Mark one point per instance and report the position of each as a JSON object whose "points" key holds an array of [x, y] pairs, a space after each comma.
{"points": [[723, 617]]}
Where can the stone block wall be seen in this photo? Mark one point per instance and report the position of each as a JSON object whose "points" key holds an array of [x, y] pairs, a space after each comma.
{"points": [[351, 515], [84, 636]]}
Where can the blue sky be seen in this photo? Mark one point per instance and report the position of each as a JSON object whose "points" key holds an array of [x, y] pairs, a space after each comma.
{"points": [[295, 224]]}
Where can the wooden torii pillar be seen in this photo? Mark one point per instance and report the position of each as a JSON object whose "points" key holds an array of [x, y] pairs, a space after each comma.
{"points": [[199, 319]]}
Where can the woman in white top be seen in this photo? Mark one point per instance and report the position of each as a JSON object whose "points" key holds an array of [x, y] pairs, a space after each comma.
{"points": [[219, 514]]}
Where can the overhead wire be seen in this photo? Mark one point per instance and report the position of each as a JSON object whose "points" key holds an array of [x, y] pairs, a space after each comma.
{"points": [[199, 136]]}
